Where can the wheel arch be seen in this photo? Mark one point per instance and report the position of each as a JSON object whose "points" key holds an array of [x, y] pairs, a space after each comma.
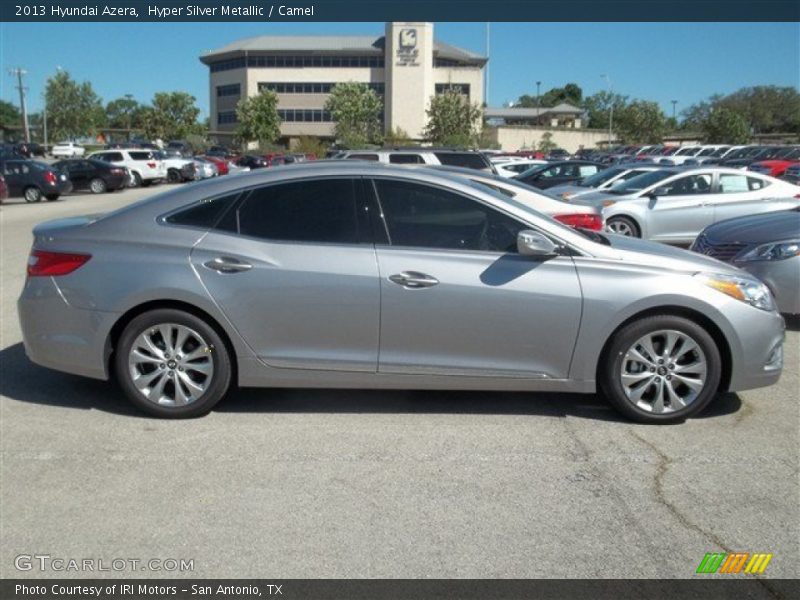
{"points": [[631, 217], [114, 334], [688, 313]]}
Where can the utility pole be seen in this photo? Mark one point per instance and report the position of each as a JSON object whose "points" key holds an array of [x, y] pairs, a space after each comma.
{"points": [[610, 110], [538, 87], [486, 72], [674, 102], [44, 123], [19, 74]]}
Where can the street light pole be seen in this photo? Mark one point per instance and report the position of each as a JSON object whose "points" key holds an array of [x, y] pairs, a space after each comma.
{"points": [[538, 86], [674, 102], [610, 109]]}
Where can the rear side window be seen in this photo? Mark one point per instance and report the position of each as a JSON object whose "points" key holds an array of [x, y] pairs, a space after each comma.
{"points": [[754, 183], [372, 157], [320, 210], [470, 160], [109, 157], [406, 159], [203, 214], [141, 155]]}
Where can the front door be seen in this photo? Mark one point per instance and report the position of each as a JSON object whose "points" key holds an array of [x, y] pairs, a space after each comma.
{"points": [[295, 273], [456, 297]]}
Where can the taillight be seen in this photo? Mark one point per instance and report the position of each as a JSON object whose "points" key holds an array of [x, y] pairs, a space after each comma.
{"points": [[50, 177], [46, 264], [117, 171], [582, 220], [152, 165]]}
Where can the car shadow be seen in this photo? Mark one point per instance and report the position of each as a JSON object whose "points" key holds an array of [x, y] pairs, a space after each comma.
{"points": [[792, 322], [25, 381]]}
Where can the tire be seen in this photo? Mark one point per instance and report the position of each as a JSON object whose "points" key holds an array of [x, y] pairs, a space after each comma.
{"points": [[98, 186], [52, 197], [32, 194], [632, 386], [136, 180], [174, 176], [209, 369], [623, 226]]}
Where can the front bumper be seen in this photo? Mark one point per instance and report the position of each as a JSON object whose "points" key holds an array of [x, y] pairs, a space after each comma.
{"points": [[756, 344], [59, 336]]}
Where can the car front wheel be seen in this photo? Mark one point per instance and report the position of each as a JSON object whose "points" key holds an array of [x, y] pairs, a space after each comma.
{"points": [[661, 369], [623, 226], [172, 364]]}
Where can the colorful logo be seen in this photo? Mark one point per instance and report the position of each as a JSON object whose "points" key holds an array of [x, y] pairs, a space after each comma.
{"points": [[735, 562]]}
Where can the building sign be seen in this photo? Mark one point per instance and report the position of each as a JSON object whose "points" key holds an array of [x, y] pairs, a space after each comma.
{"points": [[407, 51]]}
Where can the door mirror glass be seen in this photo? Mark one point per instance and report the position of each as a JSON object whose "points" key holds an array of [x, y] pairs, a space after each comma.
{"points": [[533, 243]]}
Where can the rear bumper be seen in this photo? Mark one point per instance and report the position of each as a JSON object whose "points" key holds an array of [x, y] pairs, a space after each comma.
{"points": [[59, 336]]}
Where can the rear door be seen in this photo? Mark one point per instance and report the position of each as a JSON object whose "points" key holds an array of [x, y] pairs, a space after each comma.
{"points": [[80, 172], [293, 267], [681, 209], [739, 194], [16, 175]]}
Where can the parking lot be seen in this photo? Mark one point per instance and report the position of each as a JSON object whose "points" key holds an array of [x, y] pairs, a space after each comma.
{"points": [[315, 483]]}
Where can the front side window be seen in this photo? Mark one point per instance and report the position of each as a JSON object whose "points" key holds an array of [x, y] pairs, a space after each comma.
{"points": [[371, 157], [686, 186], [320, 210], [422, 216], [406, 159]]}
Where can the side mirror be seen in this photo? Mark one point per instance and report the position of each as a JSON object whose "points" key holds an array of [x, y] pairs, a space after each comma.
{"points": [[533, 243]]}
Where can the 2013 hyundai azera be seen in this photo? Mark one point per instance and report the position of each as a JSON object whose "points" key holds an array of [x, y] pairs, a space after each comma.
{"points": [[353, 275]]}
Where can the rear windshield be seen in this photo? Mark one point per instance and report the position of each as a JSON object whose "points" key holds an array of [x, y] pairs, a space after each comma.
{"points": [[470, 160], [600, 177]]}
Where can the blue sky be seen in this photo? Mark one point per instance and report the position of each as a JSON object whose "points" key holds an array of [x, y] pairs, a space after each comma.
{"points": [[659, 61]]}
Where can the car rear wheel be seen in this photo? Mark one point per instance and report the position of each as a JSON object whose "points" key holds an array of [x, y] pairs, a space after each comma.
{"points": [[661, 369], [172, 364], [623, 226], [174, 176], [136, 179], [32, 194], [97, 186]]}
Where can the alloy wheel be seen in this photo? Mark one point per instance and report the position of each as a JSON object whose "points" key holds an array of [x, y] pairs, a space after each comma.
{"points": [[663, 371], [621, 227], [171, 364]]}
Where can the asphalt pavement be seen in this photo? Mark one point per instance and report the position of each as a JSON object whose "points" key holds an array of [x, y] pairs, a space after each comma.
{"points": [[318, 484]]}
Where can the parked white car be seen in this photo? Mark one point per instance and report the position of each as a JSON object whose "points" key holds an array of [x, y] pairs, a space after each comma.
{"points": [[421, 156], [68, 150], [685, 153], [144, 165], [176, 166], [674, 205], [515, 167]]}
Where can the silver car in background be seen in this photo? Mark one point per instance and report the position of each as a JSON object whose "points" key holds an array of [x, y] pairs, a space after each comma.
{"points": [[602, 180], [347, 274], [767, 246], [674, 205]]}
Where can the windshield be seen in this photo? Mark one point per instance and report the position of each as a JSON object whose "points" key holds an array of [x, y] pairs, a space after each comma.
{"points": [[720, 151], [600, 178], [685, 150], [708, 152], [532, 171], [786, 153], [640, 182]]}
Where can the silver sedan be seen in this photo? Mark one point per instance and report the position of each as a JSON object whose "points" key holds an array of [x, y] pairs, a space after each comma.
{"points": [[351, 275], [674, 205]]}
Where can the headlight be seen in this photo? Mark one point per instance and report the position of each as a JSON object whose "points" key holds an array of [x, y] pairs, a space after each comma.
{"points": [[743, 288], [773, 251]]}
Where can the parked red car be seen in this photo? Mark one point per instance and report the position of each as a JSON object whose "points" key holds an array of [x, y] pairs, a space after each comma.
{"points": [[274, 159], [220, 163], [776, 167], [3, 189]]}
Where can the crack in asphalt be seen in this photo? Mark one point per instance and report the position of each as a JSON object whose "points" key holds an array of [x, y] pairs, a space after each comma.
{"points": [[664, 463]]}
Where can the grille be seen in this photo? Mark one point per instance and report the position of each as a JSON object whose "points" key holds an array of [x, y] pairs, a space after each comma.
{"points": [[723, 251]]}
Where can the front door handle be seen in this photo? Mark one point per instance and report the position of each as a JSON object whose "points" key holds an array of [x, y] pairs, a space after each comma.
{"points": [[227, 264], [413, 279]]}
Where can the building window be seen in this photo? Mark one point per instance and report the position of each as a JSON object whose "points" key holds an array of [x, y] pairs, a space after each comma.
{"points": [[460, 88], [227, 65], [309, 88], [234, 89], [295, 62], [225, 117], [449, 62], [304, 115]]}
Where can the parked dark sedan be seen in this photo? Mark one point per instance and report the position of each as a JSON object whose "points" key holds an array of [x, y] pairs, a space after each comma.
{"points": [[557, 173], [32, 180], [252, 161], [93, 175]]}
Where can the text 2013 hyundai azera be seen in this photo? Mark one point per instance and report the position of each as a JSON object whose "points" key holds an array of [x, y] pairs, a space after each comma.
{"points": [[349, 275]]}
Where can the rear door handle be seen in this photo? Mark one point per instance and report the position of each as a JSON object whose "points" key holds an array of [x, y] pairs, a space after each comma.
{"points": [[413, 279], [227, 264]]}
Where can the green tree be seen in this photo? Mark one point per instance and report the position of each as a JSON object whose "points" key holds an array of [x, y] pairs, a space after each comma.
{"points": [[73, 109], [570, 93], [598, 106], [397, 136], [453, 120], [172, 115], [124, 113], [307, 144], [764, 108], [641, 122], [725, 126], [258, 119], [546, 144], [356, 111], [9, 115]]}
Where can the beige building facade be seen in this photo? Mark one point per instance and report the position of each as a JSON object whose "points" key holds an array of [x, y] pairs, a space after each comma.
{"points": [[406, 67]]}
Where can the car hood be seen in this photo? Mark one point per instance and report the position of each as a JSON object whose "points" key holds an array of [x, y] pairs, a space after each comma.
{"points": [[757, 229], [663, 256]]}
